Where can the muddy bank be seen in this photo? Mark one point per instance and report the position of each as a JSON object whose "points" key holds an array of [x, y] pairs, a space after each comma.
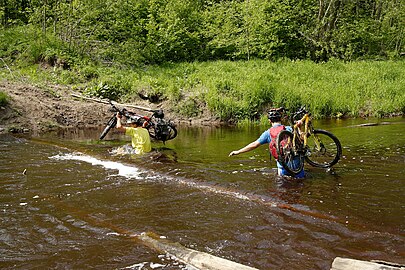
{"points": [[33, 108]]}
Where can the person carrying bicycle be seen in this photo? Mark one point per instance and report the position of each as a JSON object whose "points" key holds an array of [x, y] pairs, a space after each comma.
{"points": [[269, 136], [140, 139]]}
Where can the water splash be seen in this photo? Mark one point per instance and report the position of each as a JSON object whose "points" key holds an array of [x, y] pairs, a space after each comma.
{"points": [[123, 170], [136, 173]]}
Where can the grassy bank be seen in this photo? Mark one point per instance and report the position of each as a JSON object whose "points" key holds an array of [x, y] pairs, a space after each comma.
{"points": [[239, 90], [229, 90]]}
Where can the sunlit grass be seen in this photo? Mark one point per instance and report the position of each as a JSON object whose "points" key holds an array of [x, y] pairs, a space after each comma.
{"points": [[234, 91], [244, 90]]}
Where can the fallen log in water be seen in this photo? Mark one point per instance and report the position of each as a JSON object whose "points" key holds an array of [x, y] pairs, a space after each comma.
{"points": [[190, 257], [198, 259], [351, 264]]}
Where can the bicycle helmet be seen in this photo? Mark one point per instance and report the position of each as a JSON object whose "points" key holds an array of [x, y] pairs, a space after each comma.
{"points": [[135, 120], [274, 115], [159, 114]]}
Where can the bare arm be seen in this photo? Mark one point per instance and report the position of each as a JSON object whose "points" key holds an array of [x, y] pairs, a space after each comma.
{"points": [[119, 125], [251, 146]]}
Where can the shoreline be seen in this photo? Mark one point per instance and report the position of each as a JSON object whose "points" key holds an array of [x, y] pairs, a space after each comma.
{"points": [[34, 109]]}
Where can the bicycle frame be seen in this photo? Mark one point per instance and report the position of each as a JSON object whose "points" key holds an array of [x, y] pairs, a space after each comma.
{"points": [[304, 133], [297, 130], [158, 128], [306, 142]]}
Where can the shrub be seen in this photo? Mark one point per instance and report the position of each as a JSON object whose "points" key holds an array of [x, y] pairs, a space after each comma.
{"points": [[3, 99]]}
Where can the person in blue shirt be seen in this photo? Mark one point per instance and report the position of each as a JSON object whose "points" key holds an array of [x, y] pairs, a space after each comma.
{"points": [[269, 137]]}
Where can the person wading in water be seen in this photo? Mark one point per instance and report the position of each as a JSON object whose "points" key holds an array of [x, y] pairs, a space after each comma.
{"points": [[269, 136], [140, 139]]}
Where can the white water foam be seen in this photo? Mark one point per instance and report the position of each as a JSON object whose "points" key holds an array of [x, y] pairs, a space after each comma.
{"points": [[123, 170]]}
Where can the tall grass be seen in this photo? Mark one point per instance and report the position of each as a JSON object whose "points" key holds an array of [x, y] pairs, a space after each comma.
{"points": [[239, 90], [229, 90]]}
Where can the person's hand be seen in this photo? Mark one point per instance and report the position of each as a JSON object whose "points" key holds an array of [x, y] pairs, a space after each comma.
{"points": [[233, 153], [119, 115], [299, 123]]}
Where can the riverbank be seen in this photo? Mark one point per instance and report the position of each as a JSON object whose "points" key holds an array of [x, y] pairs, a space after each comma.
{"points": [[235, 91], [202, 92], [33, 108]]}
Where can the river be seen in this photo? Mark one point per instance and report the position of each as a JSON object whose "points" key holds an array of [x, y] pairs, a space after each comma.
{"points": [[68, 201]]}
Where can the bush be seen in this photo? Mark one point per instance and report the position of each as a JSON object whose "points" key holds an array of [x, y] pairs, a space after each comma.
{"points": [[3, 99], [112, 88]]}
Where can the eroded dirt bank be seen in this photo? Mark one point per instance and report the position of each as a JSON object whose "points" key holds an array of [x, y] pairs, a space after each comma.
{"points": [[33, 108]]}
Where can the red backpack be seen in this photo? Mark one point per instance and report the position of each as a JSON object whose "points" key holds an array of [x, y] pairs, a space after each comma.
{"points": [[274, 131]]}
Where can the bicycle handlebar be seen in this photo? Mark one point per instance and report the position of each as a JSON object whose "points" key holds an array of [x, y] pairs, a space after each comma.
{"points": [[300, 111], [122, 112]]}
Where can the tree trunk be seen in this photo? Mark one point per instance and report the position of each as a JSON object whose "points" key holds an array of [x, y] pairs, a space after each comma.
{"points": [[44, 18], [6, 13]]}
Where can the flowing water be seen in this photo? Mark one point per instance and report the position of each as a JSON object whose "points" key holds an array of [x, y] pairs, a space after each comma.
{"points": [[78, 204]]}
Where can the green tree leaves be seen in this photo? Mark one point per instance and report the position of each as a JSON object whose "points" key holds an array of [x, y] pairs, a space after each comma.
{"points": [[133, 32]]}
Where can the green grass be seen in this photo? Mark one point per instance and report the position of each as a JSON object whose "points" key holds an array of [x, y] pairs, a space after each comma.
{"points": [[3, 99], [229, 90], [234, 91], [244, 90]]}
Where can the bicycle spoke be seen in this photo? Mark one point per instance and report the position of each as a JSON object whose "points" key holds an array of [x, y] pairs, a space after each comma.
{"points": [[323, 149]]}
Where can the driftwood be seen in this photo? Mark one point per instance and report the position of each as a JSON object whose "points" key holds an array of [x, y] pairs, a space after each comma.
{"points": [[198, 259], [194, 259], [371, 124], [350, 264], [115, 103]]}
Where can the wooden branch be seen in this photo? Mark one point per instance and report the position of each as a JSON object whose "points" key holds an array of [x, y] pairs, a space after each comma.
{"points": [[351, 264], [115, 103], [198, 259]]}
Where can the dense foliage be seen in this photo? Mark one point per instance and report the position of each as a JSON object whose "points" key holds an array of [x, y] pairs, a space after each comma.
{"points": [[132, 32], [214, 55]]}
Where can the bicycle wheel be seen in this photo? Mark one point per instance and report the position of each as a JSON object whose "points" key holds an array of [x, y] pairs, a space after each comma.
{"points": [[290, 157], [172, 132], [151, 129], [110, 124], [323, 149]]}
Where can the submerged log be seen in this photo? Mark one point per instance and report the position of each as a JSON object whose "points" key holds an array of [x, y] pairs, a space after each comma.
{"points": [[351, 264], [198, 259]]}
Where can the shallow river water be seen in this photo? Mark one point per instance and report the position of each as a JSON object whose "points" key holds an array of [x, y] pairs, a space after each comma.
{"points": [[78, 203]]}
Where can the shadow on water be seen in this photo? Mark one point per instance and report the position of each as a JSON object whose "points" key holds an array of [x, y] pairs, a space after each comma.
{"points": [[191, 191]]}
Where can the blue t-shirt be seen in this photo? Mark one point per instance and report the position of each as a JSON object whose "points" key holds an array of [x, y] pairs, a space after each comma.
{"points": [[266, 138]]}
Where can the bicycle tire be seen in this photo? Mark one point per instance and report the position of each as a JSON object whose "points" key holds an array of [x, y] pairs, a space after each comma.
{"points": [[323, 149], [151, 130], [154, 132], [173, 133], [110, 124], [291, 159]]}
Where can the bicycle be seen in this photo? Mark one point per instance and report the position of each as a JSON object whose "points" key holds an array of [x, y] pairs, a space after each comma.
{"points": [[320, 148], [157, 126]]}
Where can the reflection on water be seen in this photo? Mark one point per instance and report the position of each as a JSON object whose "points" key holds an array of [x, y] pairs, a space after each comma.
{"points": [[77, 203]]}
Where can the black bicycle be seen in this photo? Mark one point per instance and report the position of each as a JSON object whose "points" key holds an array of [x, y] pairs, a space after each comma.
{"points": [[158, 127]]}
